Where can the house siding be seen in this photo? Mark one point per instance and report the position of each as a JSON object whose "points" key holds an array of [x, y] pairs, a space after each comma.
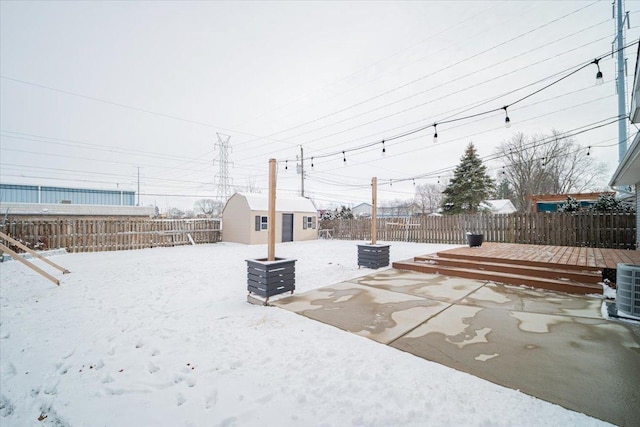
{"points": [[638, 216]]}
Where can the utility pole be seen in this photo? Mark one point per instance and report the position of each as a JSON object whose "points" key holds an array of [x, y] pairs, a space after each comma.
{"points": [[138, 204], [621, 17], [302, 171]]}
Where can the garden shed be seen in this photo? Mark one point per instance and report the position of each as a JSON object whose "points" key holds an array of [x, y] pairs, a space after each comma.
{"points": [[245, 220]]}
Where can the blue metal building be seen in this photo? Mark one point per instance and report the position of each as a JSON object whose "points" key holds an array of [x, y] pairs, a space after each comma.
{"points": [[16, 193]]}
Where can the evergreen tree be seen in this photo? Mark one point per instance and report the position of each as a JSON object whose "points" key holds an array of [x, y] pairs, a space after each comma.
{"points": [[571, 205], [609, 203], [470, 185]]}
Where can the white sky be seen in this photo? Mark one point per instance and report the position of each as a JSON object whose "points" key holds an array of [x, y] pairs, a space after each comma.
{"points": [[92, 90]]}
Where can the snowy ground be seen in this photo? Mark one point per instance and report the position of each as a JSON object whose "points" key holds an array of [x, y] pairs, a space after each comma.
{"points": [[165, 337]]}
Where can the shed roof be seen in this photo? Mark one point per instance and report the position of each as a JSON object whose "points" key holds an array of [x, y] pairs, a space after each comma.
{"points": [[260, 202], [500, 205]]}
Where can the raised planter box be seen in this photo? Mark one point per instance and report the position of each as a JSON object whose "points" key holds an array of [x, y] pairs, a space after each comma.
{"points": [[373, 256], [269, 278]]}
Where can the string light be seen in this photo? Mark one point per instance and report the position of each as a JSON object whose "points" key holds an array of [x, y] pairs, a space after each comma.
{"points": [[589, 151], [543, 160], [599, 79], [286, 165], [507, 121], [384, 150], [312, 162], [344, 158], [414, 181]]}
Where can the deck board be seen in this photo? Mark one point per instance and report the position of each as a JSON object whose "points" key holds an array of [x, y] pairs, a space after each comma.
{"points": [[593, 258]]}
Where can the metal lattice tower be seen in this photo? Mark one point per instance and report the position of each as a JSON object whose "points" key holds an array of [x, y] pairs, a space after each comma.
{"points": [[222, 180]]}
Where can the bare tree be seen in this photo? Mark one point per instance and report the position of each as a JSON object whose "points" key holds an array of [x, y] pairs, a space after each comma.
{"points": [[175, 213], [250, 186], [547, 164], [396, 208], [208, 207], [428, 197]]}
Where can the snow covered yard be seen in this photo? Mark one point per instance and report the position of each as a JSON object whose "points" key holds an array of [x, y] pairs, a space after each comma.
{"points": [[165, 337]]}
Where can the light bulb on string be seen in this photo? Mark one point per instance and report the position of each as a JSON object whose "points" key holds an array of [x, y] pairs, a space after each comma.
{"points": [[286, 165], [344, 158], [435, 133], [312, 162], [589, 151], [507, 120], [414, 182], [384, 150], [390, 183], [599, 79], [438, 180]]}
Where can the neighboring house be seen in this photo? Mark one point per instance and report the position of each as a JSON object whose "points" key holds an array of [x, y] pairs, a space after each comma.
{"points": [[245, 219], [18, 193], [628, 172], [362, 210], [64, 210], [39, 200], [551, 202], [499, 206]]}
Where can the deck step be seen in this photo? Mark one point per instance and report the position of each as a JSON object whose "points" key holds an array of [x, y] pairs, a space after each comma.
{"points": [[546, 272], [500, 277], [504, 260]]}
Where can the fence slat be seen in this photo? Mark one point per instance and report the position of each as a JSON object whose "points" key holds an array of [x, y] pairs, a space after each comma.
{"points": [[105, 234], [584, 229]]}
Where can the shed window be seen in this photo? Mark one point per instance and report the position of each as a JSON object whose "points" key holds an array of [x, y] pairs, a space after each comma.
{"points": [[308, 222], [262, 222]]}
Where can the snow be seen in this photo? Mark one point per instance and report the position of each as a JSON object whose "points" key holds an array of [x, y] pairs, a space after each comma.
{"points": [[260, 202], [165, 337]]}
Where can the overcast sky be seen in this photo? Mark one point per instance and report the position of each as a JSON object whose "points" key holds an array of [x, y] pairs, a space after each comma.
{"points": [[92, 91]]}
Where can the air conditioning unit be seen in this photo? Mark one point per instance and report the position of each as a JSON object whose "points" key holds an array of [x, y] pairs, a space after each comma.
{"points": [[628, 290]]}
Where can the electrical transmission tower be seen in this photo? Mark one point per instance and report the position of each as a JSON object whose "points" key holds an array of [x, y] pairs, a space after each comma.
{"points": [[222, 180]]}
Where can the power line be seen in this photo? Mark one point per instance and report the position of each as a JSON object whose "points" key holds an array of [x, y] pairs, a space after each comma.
{"points": [[467, 117], [435, 72], [455, 80]]}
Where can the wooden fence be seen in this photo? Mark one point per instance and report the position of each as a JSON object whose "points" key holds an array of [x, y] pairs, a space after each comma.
{"points": [[558, 229], [112, 234]]}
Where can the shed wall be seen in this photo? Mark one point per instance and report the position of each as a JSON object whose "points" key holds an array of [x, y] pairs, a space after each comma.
{"points": [[299, 233], [239, 223], [236, 221]]}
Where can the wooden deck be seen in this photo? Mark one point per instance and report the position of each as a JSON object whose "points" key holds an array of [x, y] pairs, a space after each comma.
{"points": [[565, 256], [560, 268]]}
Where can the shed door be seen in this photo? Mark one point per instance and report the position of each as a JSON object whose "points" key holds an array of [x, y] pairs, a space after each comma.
{"points": [[287, 227]]}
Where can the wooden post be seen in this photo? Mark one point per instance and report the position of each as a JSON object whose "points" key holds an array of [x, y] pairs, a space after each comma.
{"points": [[33, 253], [272, 210], [35, 268], [374, 210]]}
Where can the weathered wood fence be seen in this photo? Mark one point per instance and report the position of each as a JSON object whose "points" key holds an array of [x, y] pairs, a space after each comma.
{"points": [[587, 229], [111, 234]]}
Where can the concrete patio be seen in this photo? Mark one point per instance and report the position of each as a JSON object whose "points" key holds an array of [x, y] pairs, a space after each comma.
{"points": [[551, 345]]}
